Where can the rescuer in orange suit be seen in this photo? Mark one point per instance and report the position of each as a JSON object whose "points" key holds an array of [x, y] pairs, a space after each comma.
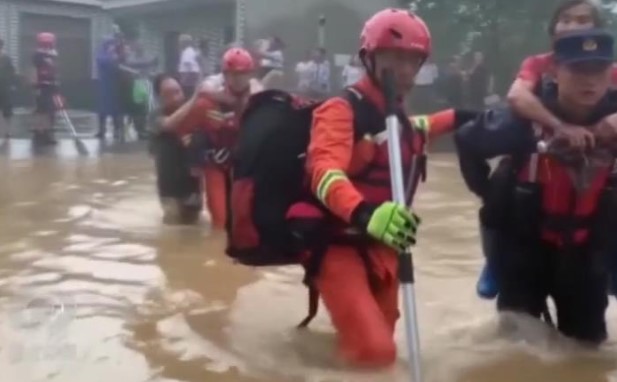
{"points": [[350, 176], [211, 126]]}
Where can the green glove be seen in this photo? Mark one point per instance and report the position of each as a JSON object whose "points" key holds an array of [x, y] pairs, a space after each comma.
{"points": [[390, 223]]}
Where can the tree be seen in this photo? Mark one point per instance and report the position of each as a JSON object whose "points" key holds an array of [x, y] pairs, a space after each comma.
{"points": [[506, 30]]}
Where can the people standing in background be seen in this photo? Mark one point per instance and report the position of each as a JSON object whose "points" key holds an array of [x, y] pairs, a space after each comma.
{"points": [[8, 81], [141, 67], [479, 82], [272, 62], [304, 72], [424, 91], [107, 62], [189, 69], [126, 79], [271, 55], [453, 83], [353, 71], [44, 62], [320, 84], [203, 48], [179, 189]]}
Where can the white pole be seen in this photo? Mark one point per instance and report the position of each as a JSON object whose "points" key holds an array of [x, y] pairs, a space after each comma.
{"points": [[406, 271]]}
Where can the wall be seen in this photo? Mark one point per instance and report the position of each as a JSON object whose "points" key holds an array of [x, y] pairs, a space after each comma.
{"points": [[100, 24]]}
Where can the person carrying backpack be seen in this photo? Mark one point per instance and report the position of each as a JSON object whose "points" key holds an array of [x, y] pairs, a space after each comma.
{"points": [[351, 178], [311, 186]]}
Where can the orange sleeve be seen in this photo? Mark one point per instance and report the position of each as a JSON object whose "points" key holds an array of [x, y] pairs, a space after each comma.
{"points": [[329, 155], [436, 124], [196, 117], [441, 123]]}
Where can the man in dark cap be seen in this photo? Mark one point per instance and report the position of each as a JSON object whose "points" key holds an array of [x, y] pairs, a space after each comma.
{"points": [[552, 209]]}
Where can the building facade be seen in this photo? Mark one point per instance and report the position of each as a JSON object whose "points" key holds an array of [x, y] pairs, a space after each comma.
{"points": [[82, 24], [160, 22], [78, 26]]}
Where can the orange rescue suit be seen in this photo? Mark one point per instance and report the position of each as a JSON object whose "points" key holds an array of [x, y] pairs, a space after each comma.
{"points": [[364, 315], [216, 115]]}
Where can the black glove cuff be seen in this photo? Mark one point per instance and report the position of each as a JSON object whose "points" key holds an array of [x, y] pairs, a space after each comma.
{"points": [[462, 116], [361, 216]]}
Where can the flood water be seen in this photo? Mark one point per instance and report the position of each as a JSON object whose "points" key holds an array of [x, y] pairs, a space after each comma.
{"points": [[93, 287]]}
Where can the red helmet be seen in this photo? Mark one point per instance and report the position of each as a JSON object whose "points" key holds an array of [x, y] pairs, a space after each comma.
{"points": [[46, 40], [238, 60], [396, 29]]}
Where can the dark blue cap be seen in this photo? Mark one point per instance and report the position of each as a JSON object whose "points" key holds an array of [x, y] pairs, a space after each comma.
{"points": [[591, 45]]}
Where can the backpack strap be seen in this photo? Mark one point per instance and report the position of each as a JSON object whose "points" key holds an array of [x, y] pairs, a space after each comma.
{"points": [[258, 99], [368, 119], [311, 268]]}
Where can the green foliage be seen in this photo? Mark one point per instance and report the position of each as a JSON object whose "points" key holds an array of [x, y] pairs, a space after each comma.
{"points": [[506, 30]]}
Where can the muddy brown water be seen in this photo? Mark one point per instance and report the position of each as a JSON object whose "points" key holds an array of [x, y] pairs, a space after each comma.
{"points": [[93, 287]]}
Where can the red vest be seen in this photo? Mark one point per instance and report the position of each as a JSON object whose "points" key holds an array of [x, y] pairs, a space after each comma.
{"points": [[370, 168], [566, 214]]}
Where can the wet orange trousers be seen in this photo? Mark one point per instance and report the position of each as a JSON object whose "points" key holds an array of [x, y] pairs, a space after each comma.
{"points": [[364, 318], [216, 193]]}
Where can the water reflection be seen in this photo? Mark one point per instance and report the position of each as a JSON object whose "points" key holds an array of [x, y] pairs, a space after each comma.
{"points": [[93, 287]]}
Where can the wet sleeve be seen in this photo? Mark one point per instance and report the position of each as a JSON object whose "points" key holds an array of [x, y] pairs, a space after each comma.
{"points": [[494, 133], [329, 155], [194, 119], [435, 124], [531, 70], [497, 132]]}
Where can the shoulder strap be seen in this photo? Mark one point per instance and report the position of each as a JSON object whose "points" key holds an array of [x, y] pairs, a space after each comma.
{"points": [[367, 117], [261, 98]]}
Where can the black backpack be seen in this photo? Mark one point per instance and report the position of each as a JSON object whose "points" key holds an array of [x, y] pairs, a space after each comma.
{"points": [[269, 175]]}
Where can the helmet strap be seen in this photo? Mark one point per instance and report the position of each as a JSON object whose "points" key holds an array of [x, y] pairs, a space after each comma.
{"points": [[368, 62]]}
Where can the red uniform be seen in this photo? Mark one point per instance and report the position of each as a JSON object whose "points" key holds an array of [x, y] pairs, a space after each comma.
{"points": [[216, 115]]}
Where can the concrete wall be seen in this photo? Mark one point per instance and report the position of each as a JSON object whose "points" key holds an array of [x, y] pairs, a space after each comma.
{"points": [[80, 93]]}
